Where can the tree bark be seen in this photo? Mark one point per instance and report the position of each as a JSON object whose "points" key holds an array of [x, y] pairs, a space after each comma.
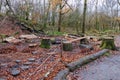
{"points": [[84, 16], [60, 17], [67, 46], [108, 43], [82, 61]]}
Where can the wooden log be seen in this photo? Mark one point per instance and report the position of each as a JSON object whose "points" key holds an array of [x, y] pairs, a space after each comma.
{"points": [[76, 64], [45, 43], [108, 43], [67, 46], [90, 47], [77, 39], [62, 75], [82, 61]]}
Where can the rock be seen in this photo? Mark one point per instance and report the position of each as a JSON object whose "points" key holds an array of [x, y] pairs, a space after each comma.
{"points": [[31, 59], [24, 67], [56, 40], [86, 46], [15, 72], [29, 36], [4, 65], [18, 61], [27, 63], [2, 79], [16, 41], [35, 52], [33, 45], [15, 66], [9, 39], [12, 40]]}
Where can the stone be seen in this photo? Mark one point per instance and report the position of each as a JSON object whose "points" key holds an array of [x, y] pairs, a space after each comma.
{"points": [[33, 45], [27, 63], [18, 61], [28, 36], [24, 67], [9, 39], [31, 59], [35, 52], [15, 72], [12, 40], [15, 66], [2, 79], [55, 41], [4, 65]]}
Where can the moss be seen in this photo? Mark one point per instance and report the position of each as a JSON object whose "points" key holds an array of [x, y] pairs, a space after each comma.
{"points": [[2, 36], [45, 43], [107, 54], [108, 43]]}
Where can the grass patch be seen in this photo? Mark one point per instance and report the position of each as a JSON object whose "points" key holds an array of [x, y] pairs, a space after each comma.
{"points": [[54, 33]]}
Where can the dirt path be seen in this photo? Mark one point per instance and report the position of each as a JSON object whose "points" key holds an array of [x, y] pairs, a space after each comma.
{"points": [[107, 68]]}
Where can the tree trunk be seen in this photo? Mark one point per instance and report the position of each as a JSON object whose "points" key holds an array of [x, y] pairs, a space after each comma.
{"points": [[82, 61], [108, 43], [84, 16], [60, 17], [10, 8]]}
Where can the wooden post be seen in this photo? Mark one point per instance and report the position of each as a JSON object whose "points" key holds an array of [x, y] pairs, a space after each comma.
{"points": [[108, 43], [45, 43], [67, 46]]}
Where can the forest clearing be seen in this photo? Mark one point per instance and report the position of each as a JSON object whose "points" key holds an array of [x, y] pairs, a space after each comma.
{"points": [[59, 40]]}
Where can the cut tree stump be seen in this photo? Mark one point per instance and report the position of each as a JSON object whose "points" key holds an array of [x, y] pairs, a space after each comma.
{"points": [[84, 41], [67, 46], [45, 43], [108, 43]]}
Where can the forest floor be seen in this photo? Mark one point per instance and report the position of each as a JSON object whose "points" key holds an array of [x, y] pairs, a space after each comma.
{"points": [[19, 61], [22, 62], [104, 68]]}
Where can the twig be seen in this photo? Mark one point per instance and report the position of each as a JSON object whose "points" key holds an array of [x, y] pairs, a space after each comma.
{"points": [[61, 49], [49, 71], [37, 70]]}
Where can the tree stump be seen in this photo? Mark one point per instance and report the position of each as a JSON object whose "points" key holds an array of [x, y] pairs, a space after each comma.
{"points": [[67, 46], [45, 43], [84, 41], [108, 43]]}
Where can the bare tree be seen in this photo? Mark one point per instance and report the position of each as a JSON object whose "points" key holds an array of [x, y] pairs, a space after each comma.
{"points": [[84, 16]]}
